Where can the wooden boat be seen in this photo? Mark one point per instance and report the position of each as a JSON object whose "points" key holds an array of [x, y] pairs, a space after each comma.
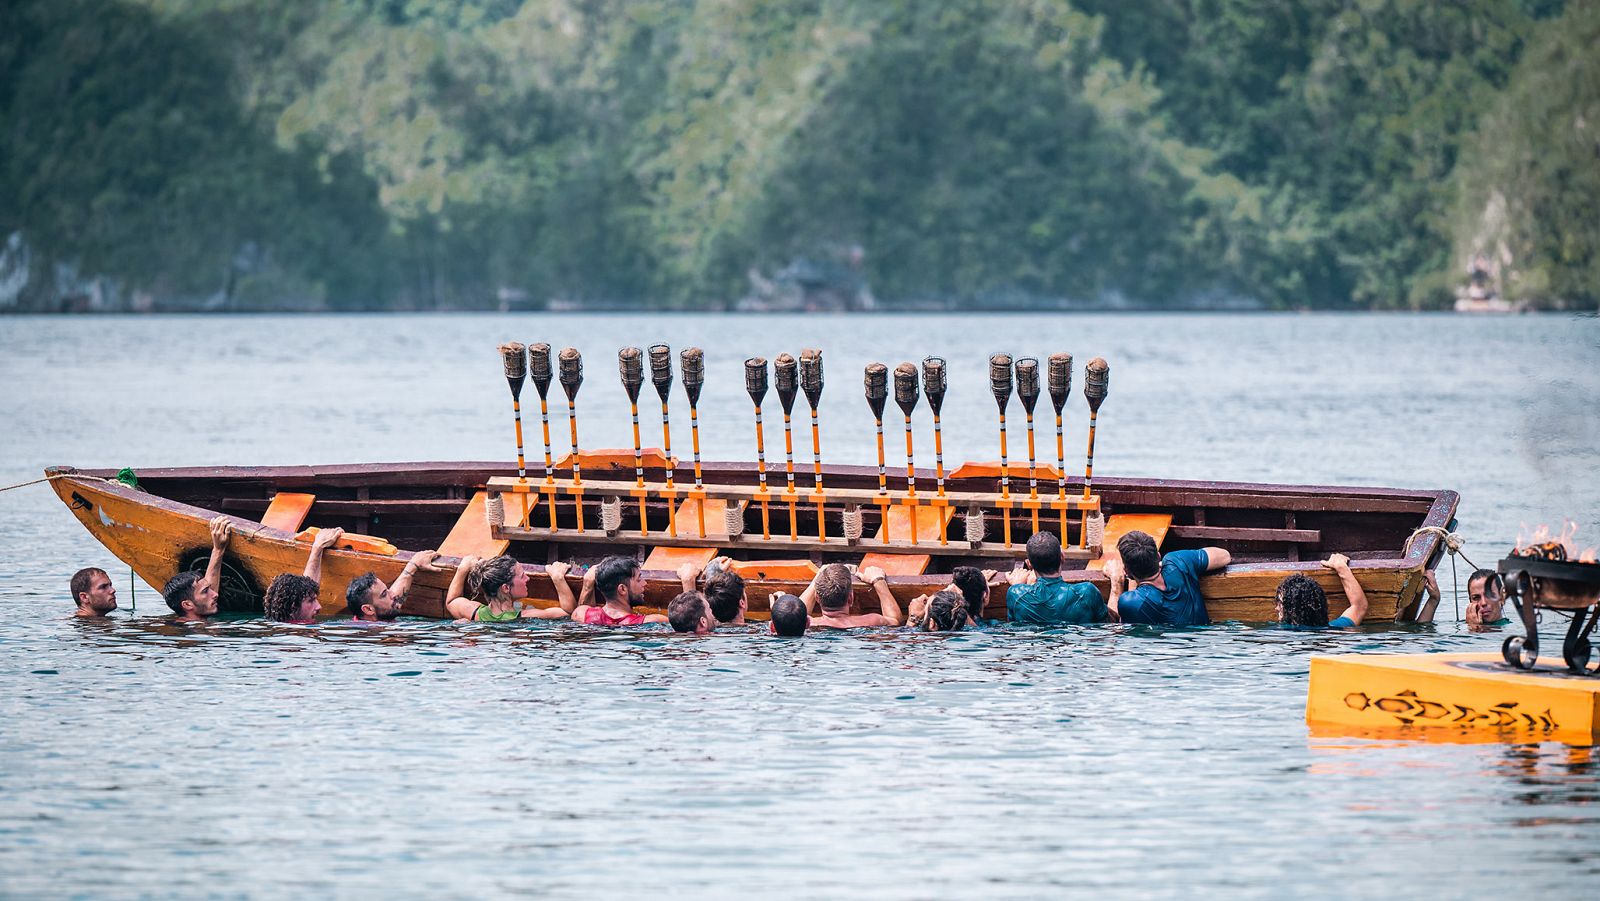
{"points": [[1272, 531]]}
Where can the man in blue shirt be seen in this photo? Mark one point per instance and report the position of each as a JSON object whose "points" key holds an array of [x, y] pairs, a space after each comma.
{"points": [[1038, 596], [1303, 604], [1165, 591]]}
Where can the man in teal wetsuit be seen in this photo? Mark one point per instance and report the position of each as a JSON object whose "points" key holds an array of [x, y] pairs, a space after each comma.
{"points": [[1038, 596], [1166, 590]]}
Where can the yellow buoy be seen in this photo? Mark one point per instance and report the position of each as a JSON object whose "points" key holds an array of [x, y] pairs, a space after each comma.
{"points": [[1415, 694]]}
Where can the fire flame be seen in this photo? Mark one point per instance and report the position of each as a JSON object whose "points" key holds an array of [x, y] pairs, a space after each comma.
{"points": [[1550, 546]]}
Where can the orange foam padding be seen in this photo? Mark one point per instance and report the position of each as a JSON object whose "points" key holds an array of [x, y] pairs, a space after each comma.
{"points": [[353, 541], [898, 564], [288, 511], [775, 570], [608, 462], [990, 469], [1153, 524], [930, 524], [716, 518], [471, 534], [670, 558]]}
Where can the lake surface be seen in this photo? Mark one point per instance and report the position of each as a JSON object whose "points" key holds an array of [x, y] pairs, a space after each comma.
{"points": [[424, 759]]}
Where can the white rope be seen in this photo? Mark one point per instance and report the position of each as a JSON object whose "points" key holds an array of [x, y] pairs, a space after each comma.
{"points": [[854, 524], [494, 510], [1452, 544], [976, 524], [1095, 523], [733, 518], [611, 514]]}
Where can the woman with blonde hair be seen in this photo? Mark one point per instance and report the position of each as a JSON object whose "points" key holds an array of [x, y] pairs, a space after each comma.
{"points": [[487, 591]]}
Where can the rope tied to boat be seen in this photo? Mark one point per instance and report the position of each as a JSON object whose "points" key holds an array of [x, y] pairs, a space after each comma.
{"points": [[611, 514], [1452, 545], [124, 477]]}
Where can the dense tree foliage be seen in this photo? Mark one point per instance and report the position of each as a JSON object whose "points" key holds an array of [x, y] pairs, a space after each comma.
{"points": [[440, 153]]}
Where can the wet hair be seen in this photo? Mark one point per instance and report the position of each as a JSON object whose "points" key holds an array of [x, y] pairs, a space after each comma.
{"points": [[685, 610], [356, 595], [611, 573], [1044, 553], [180, 588], [833, 587], [285, 595], [724, 592], [974, 589], [1490, 577], [789, 616], [83, 582], [947, 612], [1140, 559], [1304, 602], [487, 577]]}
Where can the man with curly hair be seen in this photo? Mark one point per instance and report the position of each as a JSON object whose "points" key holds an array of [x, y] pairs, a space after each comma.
{"points": [[1303, 604], [296, 599]]}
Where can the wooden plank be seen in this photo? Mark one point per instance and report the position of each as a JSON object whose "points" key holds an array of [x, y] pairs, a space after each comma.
{"points": [[441, 507], [930, 524], [668, 559], [1228, 533], [775, 570], [1153, 524], [288, 511], [807, 497]]}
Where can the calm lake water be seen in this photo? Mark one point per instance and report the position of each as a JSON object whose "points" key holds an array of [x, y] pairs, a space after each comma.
{"points": [[424, 759]]}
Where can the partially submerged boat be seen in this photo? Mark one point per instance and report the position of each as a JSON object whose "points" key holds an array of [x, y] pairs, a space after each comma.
{"points": [[390, 511]]}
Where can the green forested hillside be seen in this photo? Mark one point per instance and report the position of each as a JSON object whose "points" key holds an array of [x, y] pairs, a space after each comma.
{"points": [[419, 154]]}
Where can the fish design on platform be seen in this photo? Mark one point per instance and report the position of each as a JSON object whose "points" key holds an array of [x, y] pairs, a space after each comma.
{"points": [[1407, 707]]}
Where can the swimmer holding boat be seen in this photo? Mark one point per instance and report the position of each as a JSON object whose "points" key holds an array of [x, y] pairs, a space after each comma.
{"points": [[723, 590], [1302, 603], [1165, 591], [617, 583], [368, 599], [296, 599], [1038, 596], [487, 591], [831, 589], [193, 596]]}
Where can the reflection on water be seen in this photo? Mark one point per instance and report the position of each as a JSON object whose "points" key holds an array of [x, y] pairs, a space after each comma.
{"points": [[140, 757]]}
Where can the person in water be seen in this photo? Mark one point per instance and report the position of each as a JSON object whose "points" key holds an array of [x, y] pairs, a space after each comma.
{"points": [[368, 599], [297, 599], [1303, 604], [1486, 599], [1160, 591], [689, 612], [789, 619], [942, 611], [93, 592], [617, 583], [487, 591], [192, 596], [1038, 596], [831, 589], [974, 585], [1426, 605], [723, 590]]}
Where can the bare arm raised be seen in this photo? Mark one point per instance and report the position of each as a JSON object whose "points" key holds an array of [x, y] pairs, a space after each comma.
{"points": [[1340, 564], [324, 540]]}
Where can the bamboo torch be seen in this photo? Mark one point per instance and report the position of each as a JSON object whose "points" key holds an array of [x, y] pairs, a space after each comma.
{"points": [[786, 376], [1000, 384], [811, 384], [1060, 376], [571, 375], [876, 383], [693, 363], [905, 396], [755, 383], [539, 373], [1027, 370], [515, 358], [661, 377], [630, 364], [1096, 382], [933, 384]]}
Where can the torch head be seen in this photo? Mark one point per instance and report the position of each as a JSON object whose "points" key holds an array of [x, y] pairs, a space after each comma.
{"points": [[786, 375], [571, 375], [515, 357], [877, 385], [661, 369], [905, 388], [1096, 381], [1000, 380], [693, 363], [1027, 370], [539, 367], [1060, 380], [811, 375], [933, 382], [630, 363], [755, 379]]}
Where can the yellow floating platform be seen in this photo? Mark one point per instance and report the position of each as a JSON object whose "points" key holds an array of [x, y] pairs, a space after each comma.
{"points": [[1418, 694]]}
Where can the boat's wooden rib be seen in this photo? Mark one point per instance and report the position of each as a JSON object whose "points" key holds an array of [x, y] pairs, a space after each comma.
{"points": [[1273, 530]]}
